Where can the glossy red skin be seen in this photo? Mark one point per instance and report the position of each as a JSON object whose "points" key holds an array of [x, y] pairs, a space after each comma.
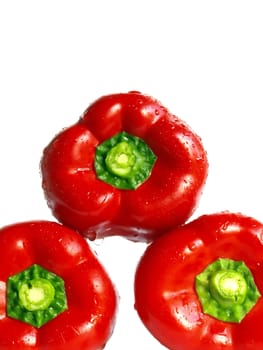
{"points": [[96, 209], [92, 300], [165, 296]]}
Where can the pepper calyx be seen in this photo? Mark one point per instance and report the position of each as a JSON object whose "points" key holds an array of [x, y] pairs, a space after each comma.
{"points": [[35, 296], [124, 161], [226, 290]]}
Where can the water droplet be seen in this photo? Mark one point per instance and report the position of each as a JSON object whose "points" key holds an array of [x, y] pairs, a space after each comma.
{"points": [[225, 225], [91, 235]]}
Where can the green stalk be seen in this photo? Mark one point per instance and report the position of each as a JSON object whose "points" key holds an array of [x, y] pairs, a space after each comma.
{"points": [[227, 290], [124, 161], [35, 296]]}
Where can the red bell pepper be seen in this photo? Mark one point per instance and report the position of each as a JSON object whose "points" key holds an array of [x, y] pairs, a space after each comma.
{"points": [[127, 167], [54, 293], [200, 287]]}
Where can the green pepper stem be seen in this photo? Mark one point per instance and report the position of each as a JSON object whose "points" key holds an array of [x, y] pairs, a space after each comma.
{"points": [[124, 161], [35, 296], [121, 159], [227, 290], [228, 287]]}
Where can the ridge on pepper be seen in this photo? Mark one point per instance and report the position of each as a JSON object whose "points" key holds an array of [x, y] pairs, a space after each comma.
{"points": [[127, 167]]}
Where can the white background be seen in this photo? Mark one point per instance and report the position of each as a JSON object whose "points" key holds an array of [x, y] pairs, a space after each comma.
{"points": [[202, 59]]}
